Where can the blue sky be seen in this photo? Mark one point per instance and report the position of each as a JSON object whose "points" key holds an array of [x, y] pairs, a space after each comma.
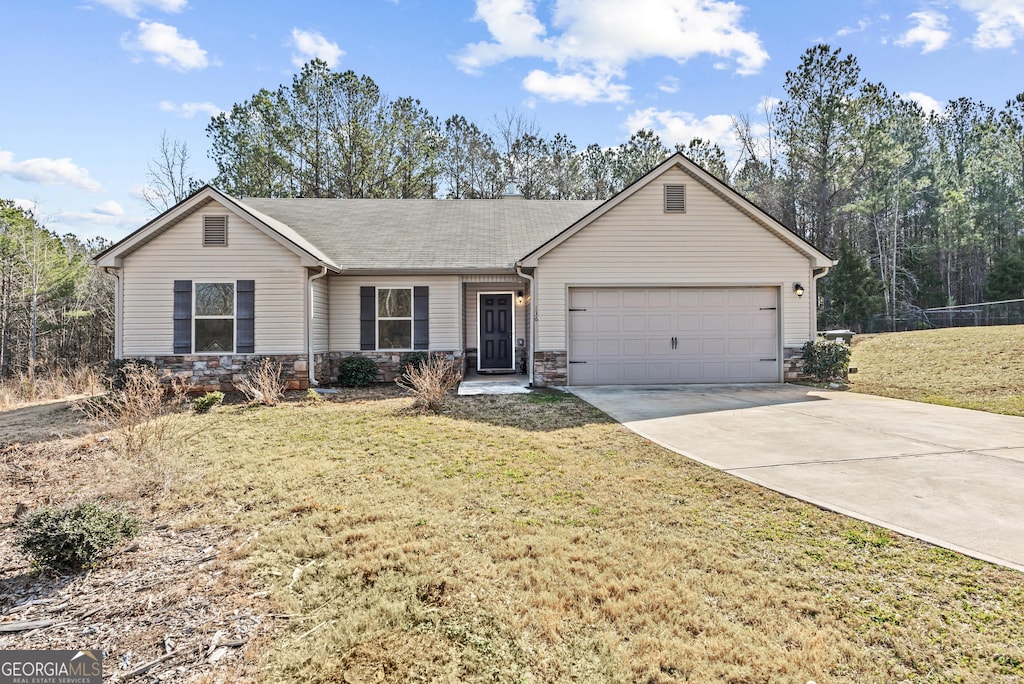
{"points": [[91, 85]]}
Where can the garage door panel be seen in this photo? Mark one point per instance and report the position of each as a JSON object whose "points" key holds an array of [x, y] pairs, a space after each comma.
{"points": [[581, 299], [712, 346], [634, 347], [740, 322], [687, 323], [659, 347], [582, 348], [581, 324], [608, 348], [607, 299], [634, 323], [688, 372], [712, 298], [673, 335], [659, 323], [687, 299], [688, 347], [739, 298], [712, 322], [608, 323], [659, 299], [740, 346], [634, 299]]}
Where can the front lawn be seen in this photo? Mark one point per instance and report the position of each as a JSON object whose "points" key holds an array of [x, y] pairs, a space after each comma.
{"points": [[530, 538], [977, 368]]}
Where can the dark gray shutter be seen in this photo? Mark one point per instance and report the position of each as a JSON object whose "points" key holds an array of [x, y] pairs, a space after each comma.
{"points": [[182, 316], [245, 317], [420, 318], [367, 318]]}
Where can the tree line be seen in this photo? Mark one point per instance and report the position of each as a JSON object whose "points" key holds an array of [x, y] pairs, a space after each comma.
{"points": [[55, 310], [922, 209]]}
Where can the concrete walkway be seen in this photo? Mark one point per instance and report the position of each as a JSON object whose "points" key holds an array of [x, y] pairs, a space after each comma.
{"points": [[949, 476]]}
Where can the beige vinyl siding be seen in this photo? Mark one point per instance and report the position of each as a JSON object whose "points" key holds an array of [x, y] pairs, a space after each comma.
{"points": [[321, 311], [444, 308], [178, 254], [637, 243], [472, 324]]}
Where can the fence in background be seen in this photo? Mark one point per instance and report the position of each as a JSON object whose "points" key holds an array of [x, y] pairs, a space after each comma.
{"points": [[1006, 312]]}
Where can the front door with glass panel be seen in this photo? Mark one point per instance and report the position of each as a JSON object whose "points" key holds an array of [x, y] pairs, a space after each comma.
{"points": [[496, 350]]}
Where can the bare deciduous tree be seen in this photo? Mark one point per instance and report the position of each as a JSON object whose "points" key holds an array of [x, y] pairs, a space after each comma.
{"points": [[168, 175]]}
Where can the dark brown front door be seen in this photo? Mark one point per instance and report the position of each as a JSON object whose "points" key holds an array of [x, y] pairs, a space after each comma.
{"points": [[495, 332]]}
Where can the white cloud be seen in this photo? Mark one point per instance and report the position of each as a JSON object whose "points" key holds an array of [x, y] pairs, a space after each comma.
{"points": [[595, 40], [167, 47], [862, 25], [681, 127], [188, 110], [669, 84], [312, 45], [1000, 22], [73, 219], [131, 8], [109, 208], [26, 205], [928, 103], [932, 32], [576, 88], [768, 104], [47, 171]]}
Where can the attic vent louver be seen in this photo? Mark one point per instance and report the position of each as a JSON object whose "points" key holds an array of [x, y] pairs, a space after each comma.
{"points": [[215, 231], [675, 199]]}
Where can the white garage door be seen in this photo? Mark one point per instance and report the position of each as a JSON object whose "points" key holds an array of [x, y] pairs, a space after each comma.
{"points": [[673, 335]]}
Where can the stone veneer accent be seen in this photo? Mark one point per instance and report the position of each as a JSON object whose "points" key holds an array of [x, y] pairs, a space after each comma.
{"points": [[388, 362], [206, 373], [550, 368], [792, 364]]}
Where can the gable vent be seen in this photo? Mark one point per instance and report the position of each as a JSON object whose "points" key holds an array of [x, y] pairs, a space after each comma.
{"points": [[215, 231], [675, 198]]}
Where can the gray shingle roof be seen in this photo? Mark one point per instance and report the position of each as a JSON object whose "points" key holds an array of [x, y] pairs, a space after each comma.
{"points": [[423, 234]]}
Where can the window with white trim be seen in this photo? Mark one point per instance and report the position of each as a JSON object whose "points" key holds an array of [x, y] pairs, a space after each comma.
{"points": [[394, 318], [214, 318]]}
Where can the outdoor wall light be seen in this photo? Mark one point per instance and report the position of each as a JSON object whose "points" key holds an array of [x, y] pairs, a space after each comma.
{"points": [[519, 296], [799, 289]]}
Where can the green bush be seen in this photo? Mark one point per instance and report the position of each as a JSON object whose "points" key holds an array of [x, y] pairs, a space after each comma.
{"points": [[115, 376], [206, 402], [357, 371], [412, 361], [71, 537], [826, 360]]}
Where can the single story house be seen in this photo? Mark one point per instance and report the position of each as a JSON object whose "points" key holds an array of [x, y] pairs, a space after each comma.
{"points": [[676, 279]]}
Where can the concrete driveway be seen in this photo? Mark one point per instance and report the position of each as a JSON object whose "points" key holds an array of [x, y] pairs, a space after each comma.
{"points": [[949, 476]]}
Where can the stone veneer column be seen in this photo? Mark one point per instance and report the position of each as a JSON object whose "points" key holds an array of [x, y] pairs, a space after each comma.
{"points": [[550, 368]]}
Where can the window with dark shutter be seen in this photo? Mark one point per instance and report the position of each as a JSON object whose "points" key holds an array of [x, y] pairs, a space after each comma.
{"points": [[215, 231], [675, 199], [421, 318], [245, 318], [367, 318], [182, 316]]}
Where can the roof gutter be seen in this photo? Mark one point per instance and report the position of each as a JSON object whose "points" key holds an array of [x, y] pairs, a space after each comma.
{"points": [[532, 318], [118, 306], [310, 359], [816, 275]]}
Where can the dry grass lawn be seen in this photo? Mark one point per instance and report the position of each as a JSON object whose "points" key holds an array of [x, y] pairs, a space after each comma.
{"points": [[531, 539], [977, 368]]}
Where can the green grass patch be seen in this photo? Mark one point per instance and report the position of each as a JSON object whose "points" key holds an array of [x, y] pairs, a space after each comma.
{"points": [[976, 368], [510, 540]]}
